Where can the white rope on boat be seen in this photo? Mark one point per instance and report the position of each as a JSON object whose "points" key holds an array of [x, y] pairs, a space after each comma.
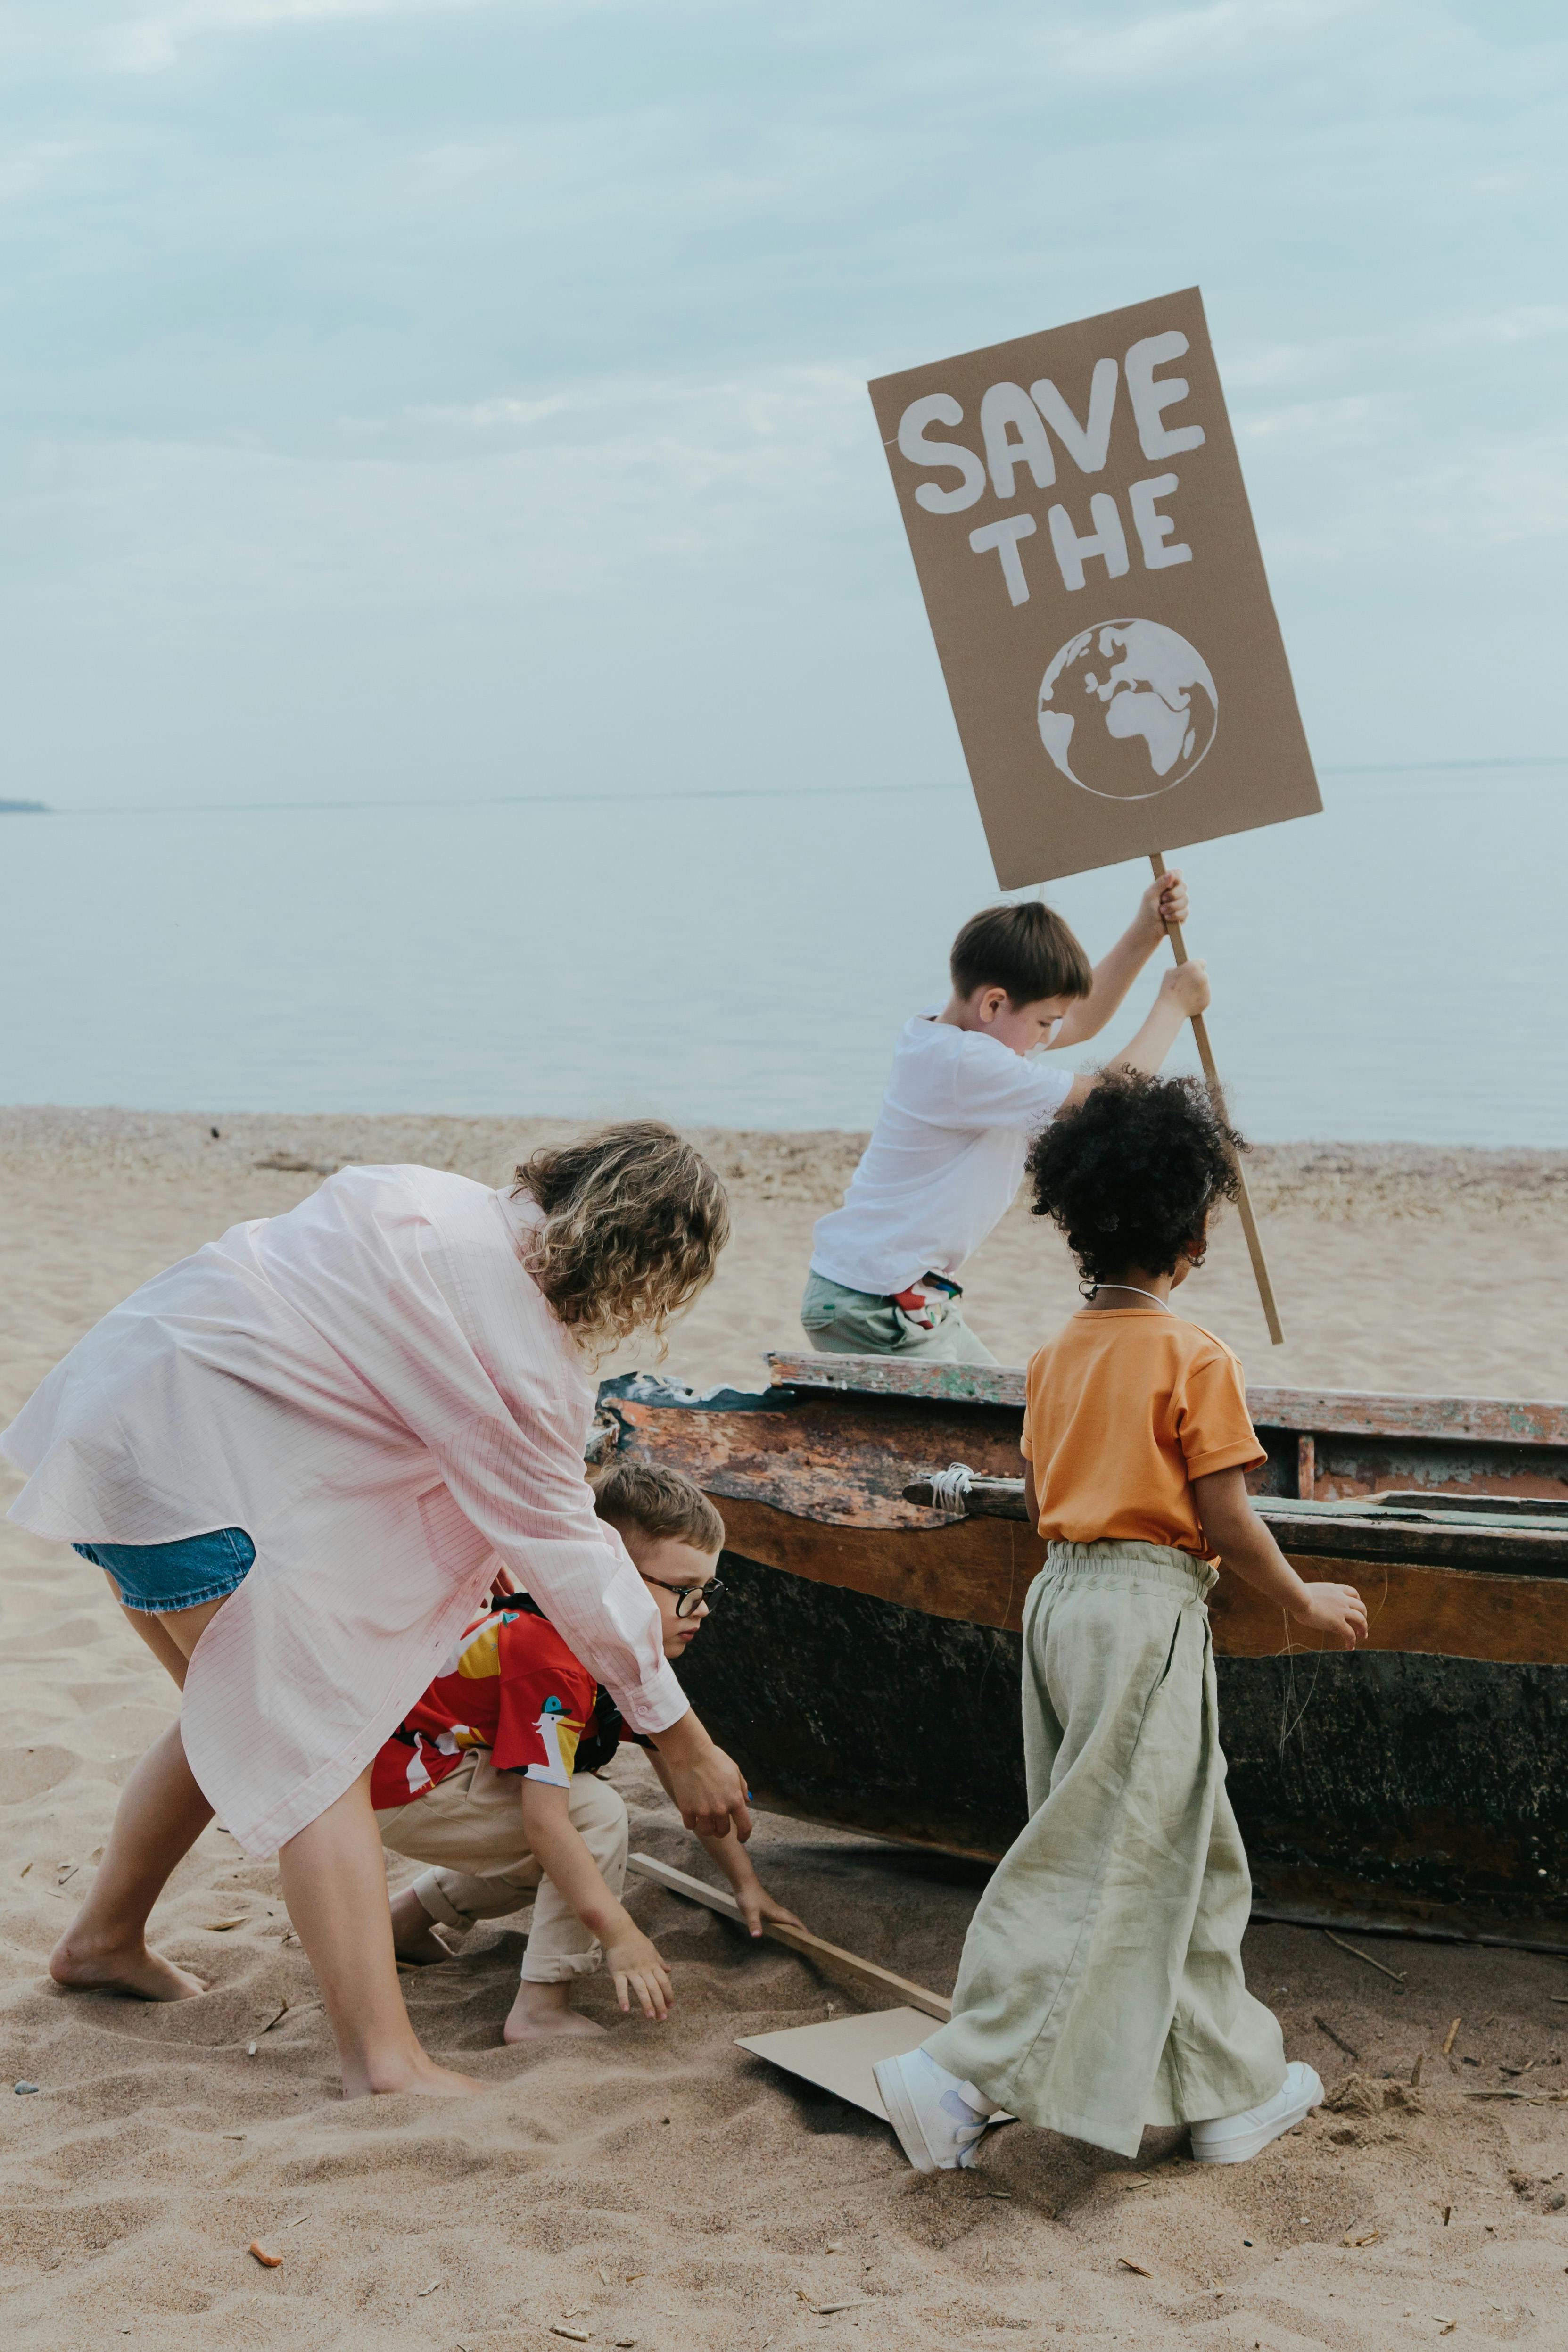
{"points": [[950, 1486]]}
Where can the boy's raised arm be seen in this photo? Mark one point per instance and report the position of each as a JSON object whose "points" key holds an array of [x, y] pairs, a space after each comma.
{"points": [[1183, 991], [1164, 901]]}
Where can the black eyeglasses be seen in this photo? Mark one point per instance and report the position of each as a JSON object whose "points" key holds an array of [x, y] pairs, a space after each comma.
{"points": [[688, 1596]]}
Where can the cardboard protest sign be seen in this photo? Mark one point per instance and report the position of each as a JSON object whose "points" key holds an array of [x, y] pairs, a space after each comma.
{"points": [[1076, 514]]}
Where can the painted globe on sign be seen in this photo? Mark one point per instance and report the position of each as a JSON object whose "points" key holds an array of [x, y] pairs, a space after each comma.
{"points": [[1128, 710]]}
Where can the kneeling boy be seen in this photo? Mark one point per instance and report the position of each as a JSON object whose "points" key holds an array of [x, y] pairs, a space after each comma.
{"points": [[493, 1778], [966, 1099]]}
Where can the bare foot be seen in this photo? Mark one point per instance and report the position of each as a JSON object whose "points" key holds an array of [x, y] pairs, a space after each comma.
{"points": [[419, 2074], [85, 1967], [414, 1937], [543, 2012]]}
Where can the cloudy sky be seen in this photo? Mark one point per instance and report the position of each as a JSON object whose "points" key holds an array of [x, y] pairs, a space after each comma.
{"points": [[426, 398]]}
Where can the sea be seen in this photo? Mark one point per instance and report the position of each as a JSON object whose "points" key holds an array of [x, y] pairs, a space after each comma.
{"points": [[1390, 970]]}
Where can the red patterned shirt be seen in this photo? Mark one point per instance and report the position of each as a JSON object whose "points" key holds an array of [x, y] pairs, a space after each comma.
{"points": [[512, 1685]]}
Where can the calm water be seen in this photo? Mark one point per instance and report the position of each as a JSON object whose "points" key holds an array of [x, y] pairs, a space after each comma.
{"points": [[1391, 969]]}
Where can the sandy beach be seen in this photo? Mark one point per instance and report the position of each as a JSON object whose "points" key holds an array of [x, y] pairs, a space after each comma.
{"points": [[660, 2185]]}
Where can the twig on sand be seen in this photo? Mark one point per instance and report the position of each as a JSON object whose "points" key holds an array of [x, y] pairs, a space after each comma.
{"points": [[1337, 2039], [1452, 2032], [1395, 1975], [290, 2008]]}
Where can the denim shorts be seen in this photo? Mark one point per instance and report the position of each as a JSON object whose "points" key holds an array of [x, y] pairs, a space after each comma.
{"points": [[165, 1577]]}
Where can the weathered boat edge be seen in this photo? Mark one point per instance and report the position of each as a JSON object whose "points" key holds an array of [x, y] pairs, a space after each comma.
{"points": [[1360, 1412]]}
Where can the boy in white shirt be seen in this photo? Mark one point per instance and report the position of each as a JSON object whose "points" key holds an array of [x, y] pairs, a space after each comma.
{"points": [[965, 1102]]}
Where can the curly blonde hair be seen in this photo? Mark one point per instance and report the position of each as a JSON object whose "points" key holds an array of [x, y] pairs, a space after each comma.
{"points": [[633, 1221]]}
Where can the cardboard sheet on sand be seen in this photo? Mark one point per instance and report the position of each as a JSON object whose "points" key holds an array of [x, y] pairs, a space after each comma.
{"points": [[839, 2056]]}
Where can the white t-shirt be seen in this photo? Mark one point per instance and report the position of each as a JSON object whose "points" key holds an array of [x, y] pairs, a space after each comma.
{"points": [[945, 1158]]}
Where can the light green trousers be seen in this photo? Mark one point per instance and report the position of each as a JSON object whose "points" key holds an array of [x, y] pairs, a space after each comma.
{"points": [[1101, 1987], [840, 1322]]}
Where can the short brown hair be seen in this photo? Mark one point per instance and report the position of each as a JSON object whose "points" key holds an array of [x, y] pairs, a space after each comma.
{"points": [[659, 1503], [1026, 948], [633, 1221]]}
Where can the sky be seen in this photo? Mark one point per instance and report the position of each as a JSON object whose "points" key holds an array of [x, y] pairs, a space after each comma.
{"points": [[432, 399]]}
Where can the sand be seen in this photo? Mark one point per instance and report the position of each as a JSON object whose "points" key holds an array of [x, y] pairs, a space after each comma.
{"points": [[659, 2183]]}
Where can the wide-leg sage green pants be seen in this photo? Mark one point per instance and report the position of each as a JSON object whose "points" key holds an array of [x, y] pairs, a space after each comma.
{"points": [[1101, 1987]]}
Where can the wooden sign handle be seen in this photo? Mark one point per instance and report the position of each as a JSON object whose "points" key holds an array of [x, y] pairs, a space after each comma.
{"points": [[1242, 1199]]}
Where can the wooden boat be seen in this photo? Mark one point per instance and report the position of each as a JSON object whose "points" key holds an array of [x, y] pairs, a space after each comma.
{"points": [[868, 1676]]}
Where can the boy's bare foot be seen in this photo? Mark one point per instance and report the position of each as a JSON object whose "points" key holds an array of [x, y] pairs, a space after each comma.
{"points": [[414, 1937], [83, 1966], [544, 2012]]}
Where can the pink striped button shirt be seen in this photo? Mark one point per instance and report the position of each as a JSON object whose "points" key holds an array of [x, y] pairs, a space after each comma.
{"points": [[372, 1387]]}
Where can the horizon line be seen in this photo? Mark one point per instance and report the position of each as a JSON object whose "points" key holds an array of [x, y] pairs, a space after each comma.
{"points": [[721, 792]]}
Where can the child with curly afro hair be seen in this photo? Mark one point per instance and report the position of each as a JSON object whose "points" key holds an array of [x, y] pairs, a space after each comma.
{"points": [[1133, 1175], [1101, 1988]]}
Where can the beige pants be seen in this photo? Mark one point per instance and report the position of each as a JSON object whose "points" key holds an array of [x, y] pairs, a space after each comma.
{"points": [[1101, 1986], [470, 1825]]}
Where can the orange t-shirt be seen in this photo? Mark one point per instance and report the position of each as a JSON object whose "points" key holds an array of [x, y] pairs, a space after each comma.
{"points": [[1125, 1407]]}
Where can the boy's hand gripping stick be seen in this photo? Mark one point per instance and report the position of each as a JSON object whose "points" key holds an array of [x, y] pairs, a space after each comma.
{"points": [[1242, 1201]]}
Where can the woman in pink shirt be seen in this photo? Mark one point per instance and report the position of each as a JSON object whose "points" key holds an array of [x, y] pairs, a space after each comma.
{"points": [[297, 1455]]}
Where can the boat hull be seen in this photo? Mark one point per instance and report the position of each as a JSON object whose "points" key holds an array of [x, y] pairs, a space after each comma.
{"points": [[1383, 1788], [867, 1671]]}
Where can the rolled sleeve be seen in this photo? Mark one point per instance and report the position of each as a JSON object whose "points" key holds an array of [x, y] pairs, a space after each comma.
{"points": [[1248, 1456], [1215, 1427]]}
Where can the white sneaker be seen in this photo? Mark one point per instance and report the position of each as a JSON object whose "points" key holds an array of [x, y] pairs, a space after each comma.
{"points": [[939, 2120], [1231, 2139]]}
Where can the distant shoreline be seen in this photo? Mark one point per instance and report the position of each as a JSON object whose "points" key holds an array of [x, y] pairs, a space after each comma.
{"points": [[24, 808]]}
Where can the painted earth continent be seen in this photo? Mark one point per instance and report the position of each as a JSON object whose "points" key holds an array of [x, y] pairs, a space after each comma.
{"points": [[1128, 710]]}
